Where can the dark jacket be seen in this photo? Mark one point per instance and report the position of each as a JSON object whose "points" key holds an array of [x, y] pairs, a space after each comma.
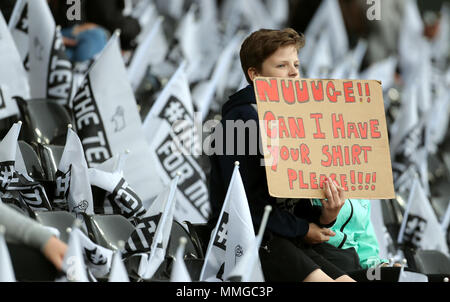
{"points": [[290, 224]]}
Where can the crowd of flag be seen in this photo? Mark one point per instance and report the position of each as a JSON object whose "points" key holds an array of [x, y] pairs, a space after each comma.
{"points": [[111, 145]]}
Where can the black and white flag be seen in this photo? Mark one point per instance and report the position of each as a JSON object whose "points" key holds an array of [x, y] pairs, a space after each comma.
{"points": [[120, 199], [175, 145], [18, 26], [50, 73], [13, 77], [72, 178], [420, 227], [233, 235], [108, 122], [151, 236]]}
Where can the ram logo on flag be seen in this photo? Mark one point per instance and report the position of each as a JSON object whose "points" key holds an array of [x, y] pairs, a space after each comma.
{"points": [[175, 146]]}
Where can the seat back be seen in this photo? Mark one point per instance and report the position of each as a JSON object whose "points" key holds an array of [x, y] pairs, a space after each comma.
{"points": [[45, 121], [60, 220], [431, 262], [108, 230], [176, 233]]}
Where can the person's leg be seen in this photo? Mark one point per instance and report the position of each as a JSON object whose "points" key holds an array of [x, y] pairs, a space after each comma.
{"points": [[318, 276], [90, 43], [344, 278]]}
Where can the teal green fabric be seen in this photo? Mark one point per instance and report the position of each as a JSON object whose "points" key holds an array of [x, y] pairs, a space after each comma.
{"points": [[359, 232]]}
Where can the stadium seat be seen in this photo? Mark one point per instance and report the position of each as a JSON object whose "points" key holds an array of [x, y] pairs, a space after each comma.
{"points": [[50, 155], [60, 220], [108, 230], [178, 231], [431, 262], [31, 160], [200, 234], [44, 121]]}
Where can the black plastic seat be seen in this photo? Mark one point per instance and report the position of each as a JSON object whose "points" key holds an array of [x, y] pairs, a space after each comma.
{"points": [[31, 160], [431, 262], [108, 230], [60, 220], [176, 233], [44, 121], [200, 234], [50, 156]]}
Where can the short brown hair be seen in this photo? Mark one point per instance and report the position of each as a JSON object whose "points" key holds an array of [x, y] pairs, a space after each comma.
{"points": [[263, 43]]}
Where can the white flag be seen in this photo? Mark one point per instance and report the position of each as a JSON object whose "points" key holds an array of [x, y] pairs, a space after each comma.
{"points": [[175, 144], [97, 258], [204, 94], [406, 276], [327, 19], [233, 235], [72, 178], [13, 76], [420, 227], [18, 26], [50, 73], [179, 271], [149, 265], [6, 268], [383, 71], [73, 262], [8, 145], [141, 56], [121, 199], [108, 122], [118, 270], [321, 62], [200, 44]]}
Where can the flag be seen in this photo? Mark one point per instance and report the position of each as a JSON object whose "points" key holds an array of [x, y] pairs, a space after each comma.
{"points": [[73, 262], [108, 122], [164, 208], [406, 276], [383, 71], [179, 271], [204, 94], [13, 76], [97, 258], [249, 268], [200, 44], [50, 73], [121, 199], [348, 67], [28, 193], [72, 178], [322, 62], [18, 26], [8, 147], [420, 228], [327, 19], [173, 134], [6, 268], [118, 271], [141, 57], [233, 235]]}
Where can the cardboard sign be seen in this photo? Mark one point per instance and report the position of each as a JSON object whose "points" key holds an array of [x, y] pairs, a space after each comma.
{"points": [[313, 129]]}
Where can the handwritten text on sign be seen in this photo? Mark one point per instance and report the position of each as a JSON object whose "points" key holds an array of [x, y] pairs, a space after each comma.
{"points": [[313, 129]]}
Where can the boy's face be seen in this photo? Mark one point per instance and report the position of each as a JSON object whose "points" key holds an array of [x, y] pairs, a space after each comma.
{"points": [[283, 63]]}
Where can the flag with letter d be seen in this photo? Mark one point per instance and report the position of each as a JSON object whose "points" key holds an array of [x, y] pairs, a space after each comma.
{"points": [[233, 235]]}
